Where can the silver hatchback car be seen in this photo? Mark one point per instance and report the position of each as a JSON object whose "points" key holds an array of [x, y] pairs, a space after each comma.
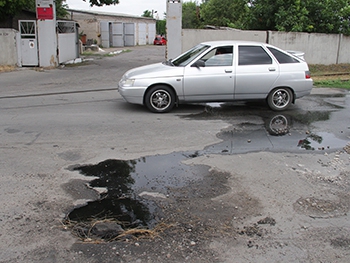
{"points": [[220, 71]]}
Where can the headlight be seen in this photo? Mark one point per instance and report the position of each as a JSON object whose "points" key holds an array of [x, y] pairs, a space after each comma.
{"points": [[128, 82]]}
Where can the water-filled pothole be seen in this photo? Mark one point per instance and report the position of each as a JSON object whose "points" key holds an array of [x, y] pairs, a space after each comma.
{"points": [[128, 206], [135, 188], [263, 130]]}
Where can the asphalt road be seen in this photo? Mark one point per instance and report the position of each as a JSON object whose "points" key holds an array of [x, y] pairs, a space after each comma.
{"points": [[53, 119]]}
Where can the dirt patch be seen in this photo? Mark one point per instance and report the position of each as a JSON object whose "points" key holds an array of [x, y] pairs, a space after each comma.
{"points": [[7, 68], [318, 208], [330, 72]]}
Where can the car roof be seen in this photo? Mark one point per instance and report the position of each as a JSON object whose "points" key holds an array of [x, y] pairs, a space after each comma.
{"points": [[231, 42]]}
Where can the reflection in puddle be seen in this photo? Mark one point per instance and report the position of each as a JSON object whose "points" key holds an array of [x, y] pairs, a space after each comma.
{"points": [[254, 129], [321, 141], [119, 202], [278, 125]]}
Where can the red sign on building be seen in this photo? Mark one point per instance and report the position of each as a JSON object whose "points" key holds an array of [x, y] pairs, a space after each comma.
{"points": [[44, 13]]}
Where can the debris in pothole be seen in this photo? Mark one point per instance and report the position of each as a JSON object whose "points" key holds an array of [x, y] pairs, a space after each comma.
{"points": [[97, 231], [267, 221], [251, 231]]}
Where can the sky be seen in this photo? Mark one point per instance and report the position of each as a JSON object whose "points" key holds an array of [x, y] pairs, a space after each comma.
{"points": [[130, 7]]}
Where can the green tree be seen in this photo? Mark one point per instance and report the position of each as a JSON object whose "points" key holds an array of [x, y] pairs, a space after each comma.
{"points": [[9, 8], [161, 27], [328, 16], [147, 13], [225, 13], [190, 15], [61, 7]]}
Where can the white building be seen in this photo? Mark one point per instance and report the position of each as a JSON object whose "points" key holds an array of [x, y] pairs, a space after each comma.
{"points": [[114, 30]]}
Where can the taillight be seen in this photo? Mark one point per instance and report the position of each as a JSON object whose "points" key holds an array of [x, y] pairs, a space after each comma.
{"points": [[307, 75]]}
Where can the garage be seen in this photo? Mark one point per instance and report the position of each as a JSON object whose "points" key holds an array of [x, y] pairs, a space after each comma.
{"points": [[114, 30]]}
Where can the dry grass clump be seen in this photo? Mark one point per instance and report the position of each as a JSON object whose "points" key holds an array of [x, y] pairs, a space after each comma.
{"points": [[83, 230], [7, 68]]}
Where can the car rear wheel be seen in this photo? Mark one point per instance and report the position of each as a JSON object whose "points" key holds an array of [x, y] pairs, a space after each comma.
{"points": [[160, 99], [280, 99]]}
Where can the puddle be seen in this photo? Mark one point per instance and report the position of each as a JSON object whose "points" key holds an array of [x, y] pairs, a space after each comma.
{"points": [[136, 188], [255, 130], [130, 187]]}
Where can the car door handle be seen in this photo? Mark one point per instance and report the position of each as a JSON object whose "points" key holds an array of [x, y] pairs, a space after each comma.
{"points": [[272, 69], [228, 71]]}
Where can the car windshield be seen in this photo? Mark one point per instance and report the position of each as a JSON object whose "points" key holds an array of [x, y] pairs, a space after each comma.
{"points": [[188, 56]]}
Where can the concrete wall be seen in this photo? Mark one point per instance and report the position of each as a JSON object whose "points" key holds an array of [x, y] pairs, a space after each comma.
{"points": [[192, 37], [319, 48], [9, 46], [344, 49]]}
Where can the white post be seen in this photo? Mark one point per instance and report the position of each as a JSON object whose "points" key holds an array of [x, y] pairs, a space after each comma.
{"points": [[173, 28], [47, 38]]}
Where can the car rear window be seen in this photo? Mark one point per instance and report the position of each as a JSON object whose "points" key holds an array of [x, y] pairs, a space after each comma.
{"points": [[282, 57], [253, 55]]}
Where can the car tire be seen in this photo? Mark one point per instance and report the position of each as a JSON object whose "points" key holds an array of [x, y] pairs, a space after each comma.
{"points": [[160, 99], [280, 99]]}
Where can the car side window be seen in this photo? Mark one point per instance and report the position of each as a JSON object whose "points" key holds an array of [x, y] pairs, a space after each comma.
{"points": [[253, 55], [282, 57], [220, 56]]}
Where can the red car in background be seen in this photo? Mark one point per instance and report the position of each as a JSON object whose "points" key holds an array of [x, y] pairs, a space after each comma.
{"points": [[159, 40]]}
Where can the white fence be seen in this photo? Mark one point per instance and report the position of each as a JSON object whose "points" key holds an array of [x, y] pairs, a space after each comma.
{"points": [[319, 48]]}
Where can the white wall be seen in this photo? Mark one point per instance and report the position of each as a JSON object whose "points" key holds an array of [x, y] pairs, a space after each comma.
{"points": [[192, 37], [9, 54], [344, 50], [318, 48]]}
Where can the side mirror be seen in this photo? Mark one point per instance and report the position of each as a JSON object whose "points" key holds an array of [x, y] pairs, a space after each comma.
{"points": [[199, 63]]}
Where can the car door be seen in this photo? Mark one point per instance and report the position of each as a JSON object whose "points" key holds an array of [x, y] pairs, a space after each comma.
{"points": [[256, 72], [211, 77]]}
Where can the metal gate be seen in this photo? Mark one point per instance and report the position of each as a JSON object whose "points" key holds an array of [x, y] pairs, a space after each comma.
{"points": [[117, 34], [104, 27], [67, 39], [29, 43], [143, 37], [129, 34]]}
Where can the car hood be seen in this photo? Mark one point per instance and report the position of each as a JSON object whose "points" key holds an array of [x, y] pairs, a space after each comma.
{"points": [[157, 70]]}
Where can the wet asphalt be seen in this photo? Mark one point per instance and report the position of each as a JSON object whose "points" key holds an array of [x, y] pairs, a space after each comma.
{"points": [[53, 119]]}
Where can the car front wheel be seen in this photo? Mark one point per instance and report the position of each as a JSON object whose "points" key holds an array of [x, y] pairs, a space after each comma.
{"points": [[280, 99], [160, 99]]}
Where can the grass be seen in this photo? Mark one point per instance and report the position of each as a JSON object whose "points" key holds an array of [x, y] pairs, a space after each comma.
{"points": [[6, 68], [83, 230], [332, 76]]}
